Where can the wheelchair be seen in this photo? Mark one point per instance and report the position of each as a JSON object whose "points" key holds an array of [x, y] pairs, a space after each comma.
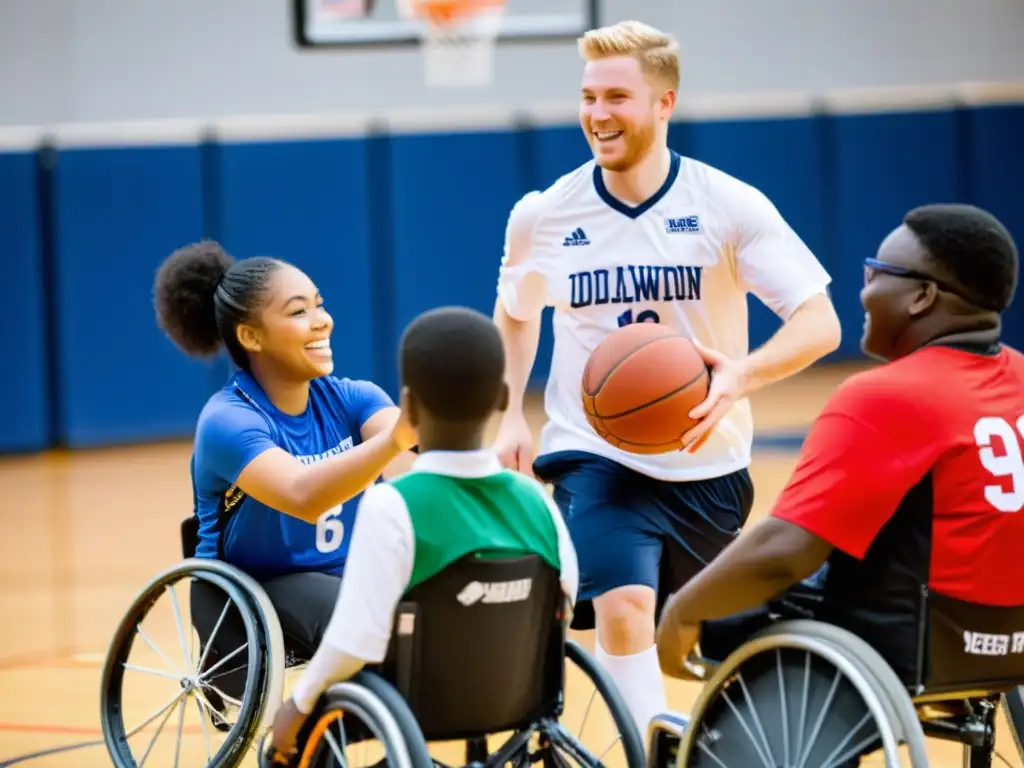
{"points": [[478, 655], [802, 692]]}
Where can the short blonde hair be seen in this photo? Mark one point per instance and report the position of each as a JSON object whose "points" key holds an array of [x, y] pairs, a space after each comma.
{"points": [[657, 51]]}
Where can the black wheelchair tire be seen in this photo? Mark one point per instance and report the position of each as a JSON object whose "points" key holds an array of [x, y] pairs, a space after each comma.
{"points": [[900, 708], [243, 732], [1013, 702], [632, 741], [832, 681], [381, 708]]}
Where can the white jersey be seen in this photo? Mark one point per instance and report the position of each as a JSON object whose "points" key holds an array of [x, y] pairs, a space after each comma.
{"points": [[686, 258]]}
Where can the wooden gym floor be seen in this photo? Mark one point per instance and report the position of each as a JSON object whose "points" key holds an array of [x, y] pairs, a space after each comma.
{"points": [[85, 531]]}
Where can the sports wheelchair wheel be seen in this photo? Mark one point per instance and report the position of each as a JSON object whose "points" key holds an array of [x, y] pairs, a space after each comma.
{"points": [[1013, 707], [368, 708], [347, 721], [899, 707], [557, 742], [192, 667], [789, 699]]}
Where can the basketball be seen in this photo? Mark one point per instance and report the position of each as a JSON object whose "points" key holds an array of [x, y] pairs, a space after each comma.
{"points": [[640, 385]]}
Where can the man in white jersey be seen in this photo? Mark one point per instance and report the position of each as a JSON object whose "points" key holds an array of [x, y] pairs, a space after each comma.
{"points": [[640, 234]]}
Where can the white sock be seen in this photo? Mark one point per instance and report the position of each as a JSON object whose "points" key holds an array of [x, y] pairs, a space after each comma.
{"points": [[638, 678]]}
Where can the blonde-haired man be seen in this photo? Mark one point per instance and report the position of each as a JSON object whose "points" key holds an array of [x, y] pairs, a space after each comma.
{"points": [[641, 234]]}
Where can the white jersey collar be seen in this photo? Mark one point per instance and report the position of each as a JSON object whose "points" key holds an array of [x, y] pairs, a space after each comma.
{"points": [[478, 463]]}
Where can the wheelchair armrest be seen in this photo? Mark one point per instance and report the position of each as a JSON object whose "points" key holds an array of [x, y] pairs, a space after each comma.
{"points": [[664, 734]]}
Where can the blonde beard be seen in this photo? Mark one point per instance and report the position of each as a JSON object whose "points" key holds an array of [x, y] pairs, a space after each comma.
{"points": [[637, 148]]}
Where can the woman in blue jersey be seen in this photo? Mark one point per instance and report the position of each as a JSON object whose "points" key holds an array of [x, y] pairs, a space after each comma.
{"points": [[284, 449]]}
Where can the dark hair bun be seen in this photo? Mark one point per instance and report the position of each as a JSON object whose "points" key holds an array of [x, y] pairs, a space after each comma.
{"points": [[184, 296]]}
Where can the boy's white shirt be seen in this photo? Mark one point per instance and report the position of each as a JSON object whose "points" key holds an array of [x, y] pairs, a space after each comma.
{"points": [[379, 566]]}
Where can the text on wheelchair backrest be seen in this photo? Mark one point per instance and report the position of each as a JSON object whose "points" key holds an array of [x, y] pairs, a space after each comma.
{"points": [[514, 591], [984, 644]]}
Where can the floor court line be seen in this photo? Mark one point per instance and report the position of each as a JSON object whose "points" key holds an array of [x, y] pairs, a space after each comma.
{"points": [[53, 729], [59, 729], [48, 752]]}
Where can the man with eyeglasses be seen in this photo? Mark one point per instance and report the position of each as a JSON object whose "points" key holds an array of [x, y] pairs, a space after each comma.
{"points": [[908, 497]]}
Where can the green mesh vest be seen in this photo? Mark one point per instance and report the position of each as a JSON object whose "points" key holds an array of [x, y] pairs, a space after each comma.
{"points": [[499, 515]]}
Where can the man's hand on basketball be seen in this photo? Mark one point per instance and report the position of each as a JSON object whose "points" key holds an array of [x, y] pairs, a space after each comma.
{"points": [[728, 383], [514, 443]]}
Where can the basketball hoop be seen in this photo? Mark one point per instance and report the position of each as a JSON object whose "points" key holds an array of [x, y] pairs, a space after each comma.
{"points": [[458, 38]]}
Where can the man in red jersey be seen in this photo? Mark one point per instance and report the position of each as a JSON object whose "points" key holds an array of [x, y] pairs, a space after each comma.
{"points": [[908, 497]]}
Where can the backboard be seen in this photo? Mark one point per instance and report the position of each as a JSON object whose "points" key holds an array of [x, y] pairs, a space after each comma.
{"points": [[337, 23]]}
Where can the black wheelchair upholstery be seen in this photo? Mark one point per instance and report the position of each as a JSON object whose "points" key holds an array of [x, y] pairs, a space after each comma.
{"points": [[972, 659], [189, 531], [479, 649], [969, 646], [479, 626]]}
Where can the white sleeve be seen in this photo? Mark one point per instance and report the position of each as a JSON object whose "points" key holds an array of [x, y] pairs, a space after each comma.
{"points": [[522, 288], [376, 576], [773, 262]]}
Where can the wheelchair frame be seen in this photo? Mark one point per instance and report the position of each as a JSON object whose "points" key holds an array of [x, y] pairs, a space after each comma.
{"points": [[369, 694], [966, 716]]}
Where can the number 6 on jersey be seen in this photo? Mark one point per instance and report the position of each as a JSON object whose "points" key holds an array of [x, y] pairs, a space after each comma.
{"points": [[330, 531]]}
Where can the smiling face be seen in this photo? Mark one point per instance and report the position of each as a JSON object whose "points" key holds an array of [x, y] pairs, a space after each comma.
{"points": [[622, 110], [293, 330], [897, 290]]}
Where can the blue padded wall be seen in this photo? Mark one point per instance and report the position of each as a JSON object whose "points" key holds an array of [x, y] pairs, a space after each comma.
{"points": [[449, 201], [306, 203], [993, 164], [391, 225], [118, 213], [556, 150], [883, 165], [24, 395]]}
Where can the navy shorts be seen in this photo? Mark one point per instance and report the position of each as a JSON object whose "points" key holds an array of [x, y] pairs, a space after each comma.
{"points": [[629, 529]]}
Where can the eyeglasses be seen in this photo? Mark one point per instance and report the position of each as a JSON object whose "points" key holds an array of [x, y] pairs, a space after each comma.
{"points": [[871, 266]]}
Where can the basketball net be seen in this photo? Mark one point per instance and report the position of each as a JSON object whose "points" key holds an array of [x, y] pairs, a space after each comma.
{"points": [[458, 39]]}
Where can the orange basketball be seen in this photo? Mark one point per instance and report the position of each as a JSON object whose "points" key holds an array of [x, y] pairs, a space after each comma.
{"points": [[640, 385]]}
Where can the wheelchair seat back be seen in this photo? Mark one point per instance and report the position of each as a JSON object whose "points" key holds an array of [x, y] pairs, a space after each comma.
{"points": [[478, 648], [189, 536], [969, 646]]}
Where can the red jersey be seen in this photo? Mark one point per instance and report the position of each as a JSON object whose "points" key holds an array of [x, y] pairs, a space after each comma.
{"points": [[926, 452]]}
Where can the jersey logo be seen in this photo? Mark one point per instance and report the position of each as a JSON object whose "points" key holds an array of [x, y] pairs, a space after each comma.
{"points": [[578, 237], [684, 224], [233, 496], [341, 447], [633, 283], [497, 592]]}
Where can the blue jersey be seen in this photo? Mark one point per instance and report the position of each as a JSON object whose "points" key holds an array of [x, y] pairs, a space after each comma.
{"points": [[237, 424]]}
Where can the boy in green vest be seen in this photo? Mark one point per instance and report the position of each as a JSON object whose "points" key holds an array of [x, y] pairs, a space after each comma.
{"points": [[456, 499]]}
